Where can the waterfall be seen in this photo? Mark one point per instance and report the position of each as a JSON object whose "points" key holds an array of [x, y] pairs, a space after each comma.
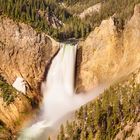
{"points": [[59, 98], [61, 74]]}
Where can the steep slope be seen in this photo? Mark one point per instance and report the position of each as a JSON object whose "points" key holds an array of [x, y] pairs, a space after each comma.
{"points": [[114, 115], [24, 52], [14, 107], [109, 52]]}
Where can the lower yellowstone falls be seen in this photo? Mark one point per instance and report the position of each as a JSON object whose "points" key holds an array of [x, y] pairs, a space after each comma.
{"points": [[69, 69], [59, 98]]}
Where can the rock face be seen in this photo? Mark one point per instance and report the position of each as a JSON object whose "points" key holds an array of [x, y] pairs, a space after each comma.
{"points": [[133, 131], [13, 113], [24, 52], [14, 107], [109, 53], [90, 10], [106, 55]]}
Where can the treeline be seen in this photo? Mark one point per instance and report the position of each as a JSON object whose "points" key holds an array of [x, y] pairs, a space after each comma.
{"points": [[40, 13], [74, 28], [121, 9], [62, 21], [37, 13], [102, 118]]}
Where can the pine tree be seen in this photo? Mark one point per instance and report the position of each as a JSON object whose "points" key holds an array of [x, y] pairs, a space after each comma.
{"points": [[62, 135], [82, 136], [90, 136], [69, 129]]}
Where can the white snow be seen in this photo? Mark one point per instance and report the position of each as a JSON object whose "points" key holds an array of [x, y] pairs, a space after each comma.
{"points": [[20, 85]]}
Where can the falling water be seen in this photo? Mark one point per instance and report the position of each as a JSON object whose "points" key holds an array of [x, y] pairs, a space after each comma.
{"points": [[59, 98]]}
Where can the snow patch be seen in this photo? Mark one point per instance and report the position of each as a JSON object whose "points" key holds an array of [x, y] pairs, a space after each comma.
{"points": [[20, 85]]}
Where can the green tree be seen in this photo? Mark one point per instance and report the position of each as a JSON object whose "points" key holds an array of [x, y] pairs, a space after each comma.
{"points": [[82, 136], [62, 135], [90, 136]]}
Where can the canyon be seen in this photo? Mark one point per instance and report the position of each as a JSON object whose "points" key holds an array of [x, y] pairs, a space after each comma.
{"points": [[107, 55]]}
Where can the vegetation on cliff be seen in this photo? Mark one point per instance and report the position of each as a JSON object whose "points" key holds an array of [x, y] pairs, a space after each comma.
{"points": [[42, 15], [14, 108], [7, 92], [59, 18], [104, 117]]}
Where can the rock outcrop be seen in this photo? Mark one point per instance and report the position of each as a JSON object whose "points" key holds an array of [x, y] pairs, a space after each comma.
{"points": [[89, 11], [109, 53], [24, 52], [130, 132], [12, 115], [14, 108]]}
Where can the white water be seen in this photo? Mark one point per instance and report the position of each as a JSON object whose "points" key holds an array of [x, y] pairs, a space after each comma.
{"points": [[59, 101]]}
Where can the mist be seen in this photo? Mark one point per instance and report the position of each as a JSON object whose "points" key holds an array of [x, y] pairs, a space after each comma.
{"points": [[59, 99]]}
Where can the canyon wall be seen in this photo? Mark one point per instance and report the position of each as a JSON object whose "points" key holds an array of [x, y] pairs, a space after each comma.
{"points": [[107, 53], [24, 52], [110, 52]]}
